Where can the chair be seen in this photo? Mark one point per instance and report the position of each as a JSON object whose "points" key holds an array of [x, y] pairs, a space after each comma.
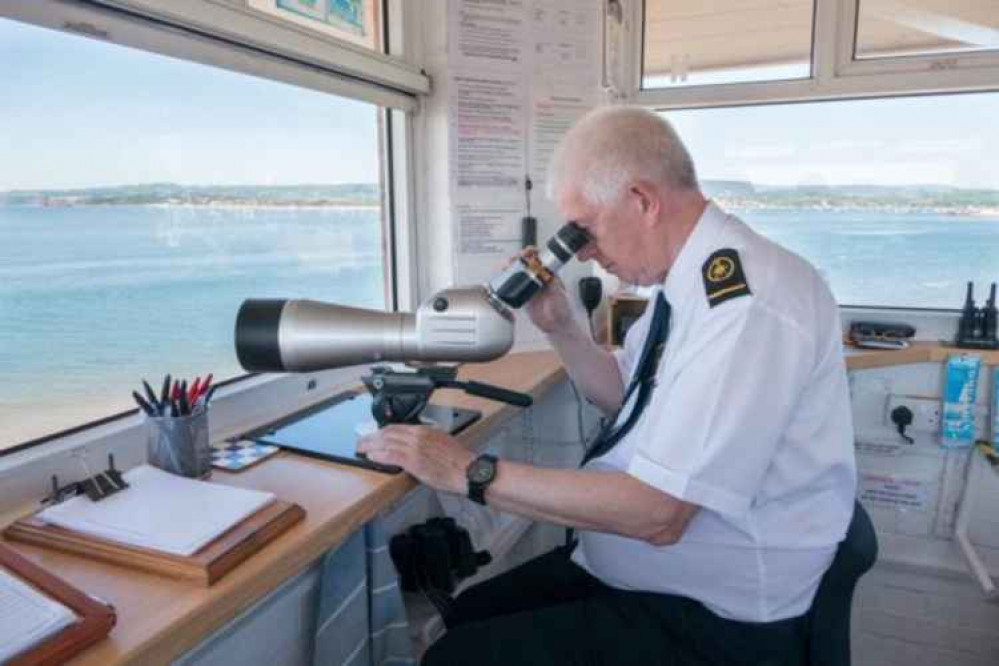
{"points": [[829, 617]]}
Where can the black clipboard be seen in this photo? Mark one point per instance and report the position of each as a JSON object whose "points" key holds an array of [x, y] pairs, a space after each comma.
{"points": [[329, 430]]}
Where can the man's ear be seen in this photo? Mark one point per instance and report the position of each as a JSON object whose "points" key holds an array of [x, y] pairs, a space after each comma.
{"points": [[646, 197]]}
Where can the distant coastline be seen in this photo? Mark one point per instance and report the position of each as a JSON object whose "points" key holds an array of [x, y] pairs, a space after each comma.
{"points": [[744, 195], [349, 195]]}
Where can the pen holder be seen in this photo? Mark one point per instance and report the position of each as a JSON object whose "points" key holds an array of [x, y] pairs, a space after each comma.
{"points": [[180, 445]]}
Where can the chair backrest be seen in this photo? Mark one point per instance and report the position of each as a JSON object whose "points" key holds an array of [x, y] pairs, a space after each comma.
{"points": [[829, 621]]}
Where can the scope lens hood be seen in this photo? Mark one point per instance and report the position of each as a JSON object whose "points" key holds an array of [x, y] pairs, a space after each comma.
{"points": [[257, 344]]}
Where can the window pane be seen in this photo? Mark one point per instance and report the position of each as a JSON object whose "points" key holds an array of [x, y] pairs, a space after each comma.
{"points": [[142, 198], [915, 27], [894, 206], [689, 42]]}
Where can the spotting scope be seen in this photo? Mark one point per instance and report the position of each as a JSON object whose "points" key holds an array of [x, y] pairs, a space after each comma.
{"points": [[454, 325]]}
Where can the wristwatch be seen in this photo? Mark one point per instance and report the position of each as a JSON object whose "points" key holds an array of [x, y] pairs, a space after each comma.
{"points": [[480, 473]]}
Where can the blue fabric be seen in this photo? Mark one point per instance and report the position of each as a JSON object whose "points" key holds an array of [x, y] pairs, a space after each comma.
{"points": [[361, 619]]}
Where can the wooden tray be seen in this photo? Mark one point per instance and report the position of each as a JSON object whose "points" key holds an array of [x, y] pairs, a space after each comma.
{"points": [[206, 566], [95, 618]]}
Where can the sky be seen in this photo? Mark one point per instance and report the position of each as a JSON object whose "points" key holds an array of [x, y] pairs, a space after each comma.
{"points": [[77, 112], [940, 140]]}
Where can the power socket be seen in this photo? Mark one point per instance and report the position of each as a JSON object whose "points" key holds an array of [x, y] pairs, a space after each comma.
{"points": [[925, 412]]}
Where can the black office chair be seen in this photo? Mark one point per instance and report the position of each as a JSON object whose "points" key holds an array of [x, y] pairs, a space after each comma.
{"points": [[829, 617]]}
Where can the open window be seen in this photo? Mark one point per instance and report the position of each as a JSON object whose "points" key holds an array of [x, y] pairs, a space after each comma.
{"points": [[182, 170], [893, 206]]}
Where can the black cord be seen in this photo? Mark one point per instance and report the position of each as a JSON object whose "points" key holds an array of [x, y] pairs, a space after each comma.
{"points": [[528, 186]]}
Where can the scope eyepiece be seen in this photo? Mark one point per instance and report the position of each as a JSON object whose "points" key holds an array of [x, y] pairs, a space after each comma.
{"points": [[573, 236], [524, 278]]}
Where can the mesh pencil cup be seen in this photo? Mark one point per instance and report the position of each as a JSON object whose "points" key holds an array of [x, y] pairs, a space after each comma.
{"points": [[180, 445]]}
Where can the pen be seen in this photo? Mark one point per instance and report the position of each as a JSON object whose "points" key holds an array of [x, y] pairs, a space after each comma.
{"points": [[164, 394], [192, 393], [143, 405], [153, 402], [185, 408]]}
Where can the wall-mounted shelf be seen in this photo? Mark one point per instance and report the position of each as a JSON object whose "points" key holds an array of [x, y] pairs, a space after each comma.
{"points": [[918, 352]]}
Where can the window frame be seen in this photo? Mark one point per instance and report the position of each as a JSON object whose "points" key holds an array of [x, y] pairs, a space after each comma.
{"points": [[835, 72], [836, 76], [247, 401]]}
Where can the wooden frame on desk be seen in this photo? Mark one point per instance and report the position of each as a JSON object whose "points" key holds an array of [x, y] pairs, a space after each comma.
{"points": [[96, 618]]}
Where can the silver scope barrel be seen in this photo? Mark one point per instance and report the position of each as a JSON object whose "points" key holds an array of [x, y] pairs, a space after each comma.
{"points": [[454, 325]]}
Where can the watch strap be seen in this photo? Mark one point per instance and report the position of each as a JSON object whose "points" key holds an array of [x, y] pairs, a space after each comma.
{"points": [[477, 489]]}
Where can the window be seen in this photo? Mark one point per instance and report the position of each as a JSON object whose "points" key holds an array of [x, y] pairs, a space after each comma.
{"points": [[142, 198], [888, 28], [688, 42], [895, 200]]}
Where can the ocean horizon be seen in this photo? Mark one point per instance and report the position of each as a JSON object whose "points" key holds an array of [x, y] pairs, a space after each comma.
{"points": [[95, 298]]}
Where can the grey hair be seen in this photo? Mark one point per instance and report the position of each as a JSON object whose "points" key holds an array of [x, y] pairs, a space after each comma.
{"points": [[613, 146]]}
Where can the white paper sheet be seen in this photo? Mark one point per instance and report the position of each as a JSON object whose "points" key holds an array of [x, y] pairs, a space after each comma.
{"points": [[487, 133], [27, 617], [488, 34], [160, 511]]}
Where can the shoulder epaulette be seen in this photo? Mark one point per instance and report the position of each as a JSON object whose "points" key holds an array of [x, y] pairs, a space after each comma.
{"points": [[724, 277]]}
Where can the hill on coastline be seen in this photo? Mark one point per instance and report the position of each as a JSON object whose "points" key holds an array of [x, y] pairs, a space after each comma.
{"points": [[345, 194], [731, 193]]}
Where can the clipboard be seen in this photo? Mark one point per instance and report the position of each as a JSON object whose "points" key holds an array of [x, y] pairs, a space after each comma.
{"points": [[95, 623], [205, 567]]}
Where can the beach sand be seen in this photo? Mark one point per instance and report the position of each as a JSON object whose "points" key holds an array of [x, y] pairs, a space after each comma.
{"points": [[25, 422]]}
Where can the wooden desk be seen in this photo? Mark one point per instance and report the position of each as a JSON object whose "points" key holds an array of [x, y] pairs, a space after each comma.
{"points": [[160, 619]]}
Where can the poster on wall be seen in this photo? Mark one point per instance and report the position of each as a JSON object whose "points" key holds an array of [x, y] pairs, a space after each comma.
{"points": [[520, 73], [355, 21]]}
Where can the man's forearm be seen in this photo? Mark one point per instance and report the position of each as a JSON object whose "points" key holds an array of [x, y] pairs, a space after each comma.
{"points": [[602, 501], [591, 367]]}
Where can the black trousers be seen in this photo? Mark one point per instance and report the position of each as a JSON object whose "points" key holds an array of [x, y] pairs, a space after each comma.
{"points": [[551, 611]]}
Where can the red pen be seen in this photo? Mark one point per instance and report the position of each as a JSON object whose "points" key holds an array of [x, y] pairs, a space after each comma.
{"points": [[192, 393], [205, 386]]}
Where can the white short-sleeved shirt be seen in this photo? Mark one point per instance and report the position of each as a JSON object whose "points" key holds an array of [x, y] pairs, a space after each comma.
{"points": [[750, 420]]}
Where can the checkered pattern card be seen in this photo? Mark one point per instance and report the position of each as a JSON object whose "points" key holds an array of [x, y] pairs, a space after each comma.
{"points": [[234, 456]]}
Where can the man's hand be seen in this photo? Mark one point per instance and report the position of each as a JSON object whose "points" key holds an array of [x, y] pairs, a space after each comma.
{"points": [[436, 459], [549, 309]]}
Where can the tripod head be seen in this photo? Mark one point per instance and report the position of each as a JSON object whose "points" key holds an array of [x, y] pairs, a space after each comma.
{"points": [[400, 396]]}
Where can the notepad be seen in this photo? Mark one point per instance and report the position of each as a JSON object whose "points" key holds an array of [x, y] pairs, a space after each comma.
{"points": [[160, 511], [27, 617]]}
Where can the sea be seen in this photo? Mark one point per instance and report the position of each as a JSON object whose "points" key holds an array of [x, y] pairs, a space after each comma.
{"points": [[95, 298]]}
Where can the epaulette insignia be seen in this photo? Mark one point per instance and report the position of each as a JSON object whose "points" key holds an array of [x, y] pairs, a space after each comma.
{"points": [[723, 277]]}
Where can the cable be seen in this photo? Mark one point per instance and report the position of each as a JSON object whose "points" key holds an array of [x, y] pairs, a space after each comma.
{"points": [[579, 415]]}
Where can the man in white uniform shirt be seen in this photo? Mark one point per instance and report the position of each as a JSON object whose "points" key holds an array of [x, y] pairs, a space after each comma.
{"points": [[708, 513]]}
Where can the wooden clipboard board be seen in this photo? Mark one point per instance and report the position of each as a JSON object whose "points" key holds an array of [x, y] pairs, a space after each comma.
{"points": [[95, 618], [206, 566]]}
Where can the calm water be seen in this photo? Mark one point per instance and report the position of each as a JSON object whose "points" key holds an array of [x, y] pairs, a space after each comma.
{"points": [[93, 298]]}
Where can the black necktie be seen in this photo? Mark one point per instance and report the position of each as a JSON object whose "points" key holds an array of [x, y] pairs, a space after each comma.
{"points": [[642, 381]]}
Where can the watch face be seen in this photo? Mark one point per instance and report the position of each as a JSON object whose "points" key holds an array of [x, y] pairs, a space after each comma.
{"points": [[482, 471]]}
